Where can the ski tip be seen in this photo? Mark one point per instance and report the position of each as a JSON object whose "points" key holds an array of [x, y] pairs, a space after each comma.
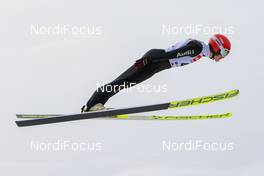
{"points": [[228, 115], [237, 90]]}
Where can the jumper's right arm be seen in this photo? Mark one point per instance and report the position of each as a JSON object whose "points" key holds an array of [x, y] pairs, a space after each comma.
{"points": [[194, 46]]}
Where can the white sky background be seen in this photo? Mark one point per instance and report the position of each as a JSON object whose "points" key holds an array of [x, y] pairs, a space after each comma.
{"points": [[57, 74]]}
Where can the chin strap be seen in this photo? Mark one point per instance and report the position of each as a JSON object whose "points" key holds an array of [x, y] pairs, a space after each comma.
{"points": [[223, 51]]}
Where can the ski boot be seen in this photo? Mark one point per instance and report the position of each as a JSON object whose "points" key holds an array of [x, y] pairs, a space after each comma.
{"points": [[96, 107]]}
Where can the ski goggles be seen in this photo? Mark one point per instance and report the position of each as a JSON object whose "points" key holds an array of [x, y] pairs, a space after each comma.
{"points": [[223, 51]]}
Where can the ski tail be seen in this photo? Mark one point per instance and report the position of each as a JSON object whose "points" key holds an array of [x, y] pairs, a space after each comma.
{"points": [[36, 116]]}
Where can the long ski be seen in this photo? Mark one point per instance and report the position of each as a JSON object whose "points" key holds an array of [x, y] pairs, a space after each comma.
{"points": [[189, 117], [131, 110], [134, 117]]}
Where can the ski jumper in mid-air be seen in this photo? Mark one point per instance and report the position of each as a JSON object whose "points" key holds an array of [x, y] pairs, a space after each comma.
{"points": [[156, 60]]}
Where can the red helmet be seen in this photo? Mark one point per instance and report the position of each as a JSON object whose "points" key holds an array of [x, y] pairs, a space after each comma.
{"points": [[220, 44]]}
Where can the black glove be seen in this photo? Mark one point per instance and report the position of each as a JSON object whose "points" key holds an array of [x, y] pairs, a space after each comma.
{"points": [[142, 62]]}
